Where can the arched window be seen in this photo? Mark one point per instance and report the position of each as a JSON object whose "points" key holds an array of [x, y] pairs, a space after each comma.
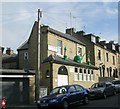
{"points": [[63, 70]]}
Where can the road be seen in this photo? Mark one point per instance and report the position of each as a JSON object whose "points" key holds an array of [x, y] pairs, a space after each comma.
{"points": [[112, 102]]}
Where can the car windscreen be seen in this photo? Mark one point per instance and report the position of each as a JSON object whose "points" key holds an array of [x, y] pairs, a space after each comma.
{"points": [[59, 90], [98, 85], [116, 82]]}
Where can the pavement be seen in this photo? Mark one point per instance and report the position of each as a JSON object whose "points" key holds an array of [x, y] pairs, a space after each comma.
{"points": [[33, 106]]}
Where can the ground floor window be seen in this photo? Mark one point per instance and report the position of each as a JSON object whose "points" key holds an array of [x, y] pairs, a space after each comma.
{"points": [[85, 78], [88, 76], [81, 74], [92, 76]]}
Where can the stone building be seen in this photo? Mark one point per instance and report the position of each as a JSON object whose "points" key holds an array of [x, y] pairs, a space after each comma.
{"points": [[63, 59], [104, 55], [17, 85]]}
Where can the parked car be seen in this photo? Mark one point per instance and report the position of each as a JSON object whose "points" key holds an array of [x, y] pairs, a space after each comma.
{"points": [[102, 89], [117, 85], [64, 96]]}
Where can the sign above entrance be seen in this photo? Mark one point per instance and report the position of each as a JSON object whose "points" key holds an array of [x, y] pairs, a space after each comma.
{"points": [[52, 48]]}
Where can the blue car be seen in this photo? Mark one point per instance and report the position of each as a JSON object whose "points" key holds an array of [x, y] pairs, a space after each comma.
{"points": [[64, 96], [102, 89]]}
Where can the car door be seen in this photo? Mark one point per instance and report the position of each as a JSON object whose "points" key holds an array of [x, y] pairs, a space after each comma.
{"points": [[109, 89], [79, 93], [72, 95]]}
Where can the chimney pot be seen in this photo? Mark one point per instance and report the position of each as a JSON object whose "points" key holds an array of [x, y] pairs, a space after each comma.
{"points": [[9, 51], [70, 31]]}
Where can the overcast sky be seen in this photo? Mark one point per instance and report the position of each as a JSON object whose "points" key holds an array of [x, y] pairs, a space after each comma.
{"points": [[17, 19]]}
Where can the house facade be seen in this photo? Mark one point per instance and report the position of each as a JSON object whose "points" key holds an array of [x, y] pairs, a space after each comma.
{"points": [[63, 59], [17, 85], [104, 55]]}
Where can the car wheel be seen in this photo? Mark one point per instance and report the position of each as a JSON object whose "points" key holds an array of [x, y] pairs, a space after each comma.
{"points": [[86, 100], [104, 95], [65, 104]]}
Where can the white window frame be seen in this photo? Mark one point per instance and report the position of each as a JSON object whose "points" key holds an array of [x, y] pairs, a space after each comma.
{"points": [[92, 75], [85, 76], [93, 39], [88, 76], [59, 47], [76, 75], [79, 51], [80, 75]]}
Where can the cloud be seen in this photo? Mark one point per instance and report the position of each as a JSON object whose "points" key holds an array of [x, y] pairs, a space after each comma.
{"points": [[23, 14], [112, 11], [92, 17], [60, 0]]}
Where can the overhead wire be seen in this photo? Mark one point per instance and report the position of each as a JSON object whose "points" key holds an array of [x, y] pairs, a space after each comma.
{"points": [[55, 21]]}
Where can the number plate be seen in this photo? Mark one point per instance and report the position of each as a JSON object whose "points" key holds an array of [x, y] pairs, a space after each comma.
{"points": [[92, 95], [44, 104]]}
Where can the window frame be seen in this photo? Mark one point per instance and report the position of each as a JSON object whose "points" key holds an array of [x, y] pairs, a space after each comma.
{"points": [[25, 55], [59, 47]]}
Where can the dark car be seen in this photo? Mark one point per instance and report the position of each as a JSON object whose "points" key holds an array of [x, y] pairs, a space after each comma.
{"points": [[117, 85], [102, 89], [64, 96]]}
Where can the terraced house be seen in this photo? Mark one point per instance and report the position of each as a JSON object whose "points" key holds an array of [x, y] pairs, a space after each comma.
{"points": [[63, 59], [105, 55]]}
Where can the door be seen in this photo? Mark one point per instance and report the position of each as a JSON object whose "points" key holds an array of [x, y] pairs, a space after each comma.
{"points": [[62, 80], [62, 76]]}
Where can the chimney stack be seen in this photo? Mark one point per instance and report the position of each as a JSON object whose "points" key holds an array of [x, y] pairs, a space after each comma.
{"points": [[103, 42], [70, 31], [81, 33], [2, 49], [97, 39], [9, 51]]}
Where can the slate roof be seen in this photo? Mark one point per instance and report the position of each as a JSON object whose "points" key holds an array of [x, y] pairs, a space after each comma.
{"points": [[9, 58], [24, 46], [60, 60], [66, 36], [16, 71]]}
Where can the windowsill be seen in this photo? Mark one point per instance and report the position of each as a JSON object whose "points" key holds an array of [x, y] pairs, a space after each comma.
{"points": [[84, 80]]}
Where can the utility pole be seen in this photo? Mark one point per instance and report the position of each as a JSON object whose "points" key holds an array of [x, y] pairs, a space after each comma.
{"points": [[38, 57]]}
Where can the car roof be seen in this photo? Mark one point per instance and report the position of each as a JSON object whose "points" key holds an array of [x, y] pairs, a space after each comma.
{"points": [[104, 82], [116, 80], [68, 85]]}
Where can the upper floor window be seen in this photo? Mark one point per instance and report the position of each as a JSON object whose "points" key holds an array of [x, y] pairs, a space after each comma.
{"points": [[107, 57], [25, 55], [113, 46], [93, 39], [113, 60], [99, 55], [119, 48], [59, 47], [79, 51]]}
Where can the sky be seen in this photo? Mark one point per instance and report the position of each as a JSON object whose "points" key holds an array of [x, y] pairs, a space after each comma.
{"points": [[17, 19]]}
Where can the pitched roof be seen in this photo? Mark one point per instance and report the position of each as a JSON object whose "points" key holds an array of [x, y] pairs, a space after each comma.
{"points": [[66, 36], [24, 46], [9, 58], [60, 60], [16, 71]]}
